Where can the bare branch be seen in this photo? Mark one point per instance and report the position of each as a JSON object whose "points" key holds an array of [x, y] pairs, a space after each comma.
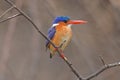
{"points": [[105, 67], [11, 17], [6, 11]]}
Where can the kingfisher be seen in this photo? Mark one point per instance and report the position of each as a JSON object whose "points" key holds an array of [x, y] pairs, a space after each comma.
{"points": [[60, 33]]}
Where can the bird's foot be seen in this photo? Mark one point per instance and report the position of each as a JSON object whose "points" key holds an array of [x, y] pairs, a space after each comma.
{"points": [[62, 44], [63, 56], [61, 53]]}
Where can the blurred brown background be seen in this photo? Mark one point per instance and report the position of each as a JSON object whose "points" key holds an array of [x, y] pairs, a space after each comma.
{"points": [[22, 49]]}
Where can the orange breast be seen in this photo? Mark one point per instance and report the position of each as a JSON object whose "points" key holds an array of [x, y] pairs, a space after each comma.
{"points": [[62, 36]]}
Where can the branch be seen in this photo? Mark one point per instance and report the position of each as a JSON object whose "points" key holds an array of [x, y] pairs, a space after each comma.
{"points": [[10, 18], [102, 60], [40, 32], [105, 67], [6, 11]]}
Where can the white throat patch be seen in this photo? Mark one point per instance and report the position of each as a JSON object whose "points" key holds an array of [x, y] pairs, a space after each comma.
{"points": [[69, 25]]}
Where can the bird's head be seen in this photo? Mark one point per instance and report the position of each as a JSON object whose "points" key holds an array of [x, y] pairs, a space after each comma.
{"points": [[67, 20]]}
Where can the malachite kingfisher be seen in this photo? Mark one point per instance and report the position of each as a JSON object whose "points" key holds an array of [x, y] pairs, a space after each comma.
{"points": [[60, 33]]}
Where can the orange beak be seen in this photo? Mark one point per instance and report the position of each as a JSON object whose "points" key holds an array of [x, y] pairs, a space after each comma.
{"points": [[77, 22]]}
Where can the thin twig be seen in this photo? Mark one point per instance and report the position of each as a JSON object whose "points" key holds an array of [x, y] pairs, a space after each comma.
{"points": [[102, 60], [36, 27], [6, 11], [11, 17]]}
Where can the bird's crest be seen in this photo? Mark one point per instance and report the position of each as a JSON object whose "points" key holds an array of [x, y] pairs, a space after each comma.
{"points": [[61, 19]]}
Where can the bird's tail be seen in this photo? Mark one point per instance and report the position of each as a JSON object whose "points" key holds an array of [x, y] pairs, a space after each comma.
{"points": [[52, 52], [51, 55]]}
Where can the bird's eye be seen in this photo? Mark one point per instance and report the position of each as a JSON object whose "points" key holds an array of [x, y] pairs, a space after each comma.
{"points": [[65, 21]]}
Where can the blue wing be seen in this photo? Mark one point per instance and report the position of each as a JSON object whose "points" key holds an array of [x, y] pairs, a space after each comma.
{"points": [[51, 33]]}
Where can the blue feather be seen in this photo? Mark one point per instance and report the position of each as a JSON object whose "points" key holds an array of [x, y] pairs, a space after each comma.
{"points": [[61, 19], [51, 33]]}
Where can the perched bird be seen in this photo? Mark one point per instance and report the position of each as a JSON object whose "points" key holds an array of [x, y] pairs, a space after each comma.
{"points": [[60, 33]]}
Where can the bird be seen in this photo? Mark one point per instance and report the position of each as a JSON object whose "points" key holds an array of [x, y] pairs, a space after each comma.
{"points": [[60, 33]]}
